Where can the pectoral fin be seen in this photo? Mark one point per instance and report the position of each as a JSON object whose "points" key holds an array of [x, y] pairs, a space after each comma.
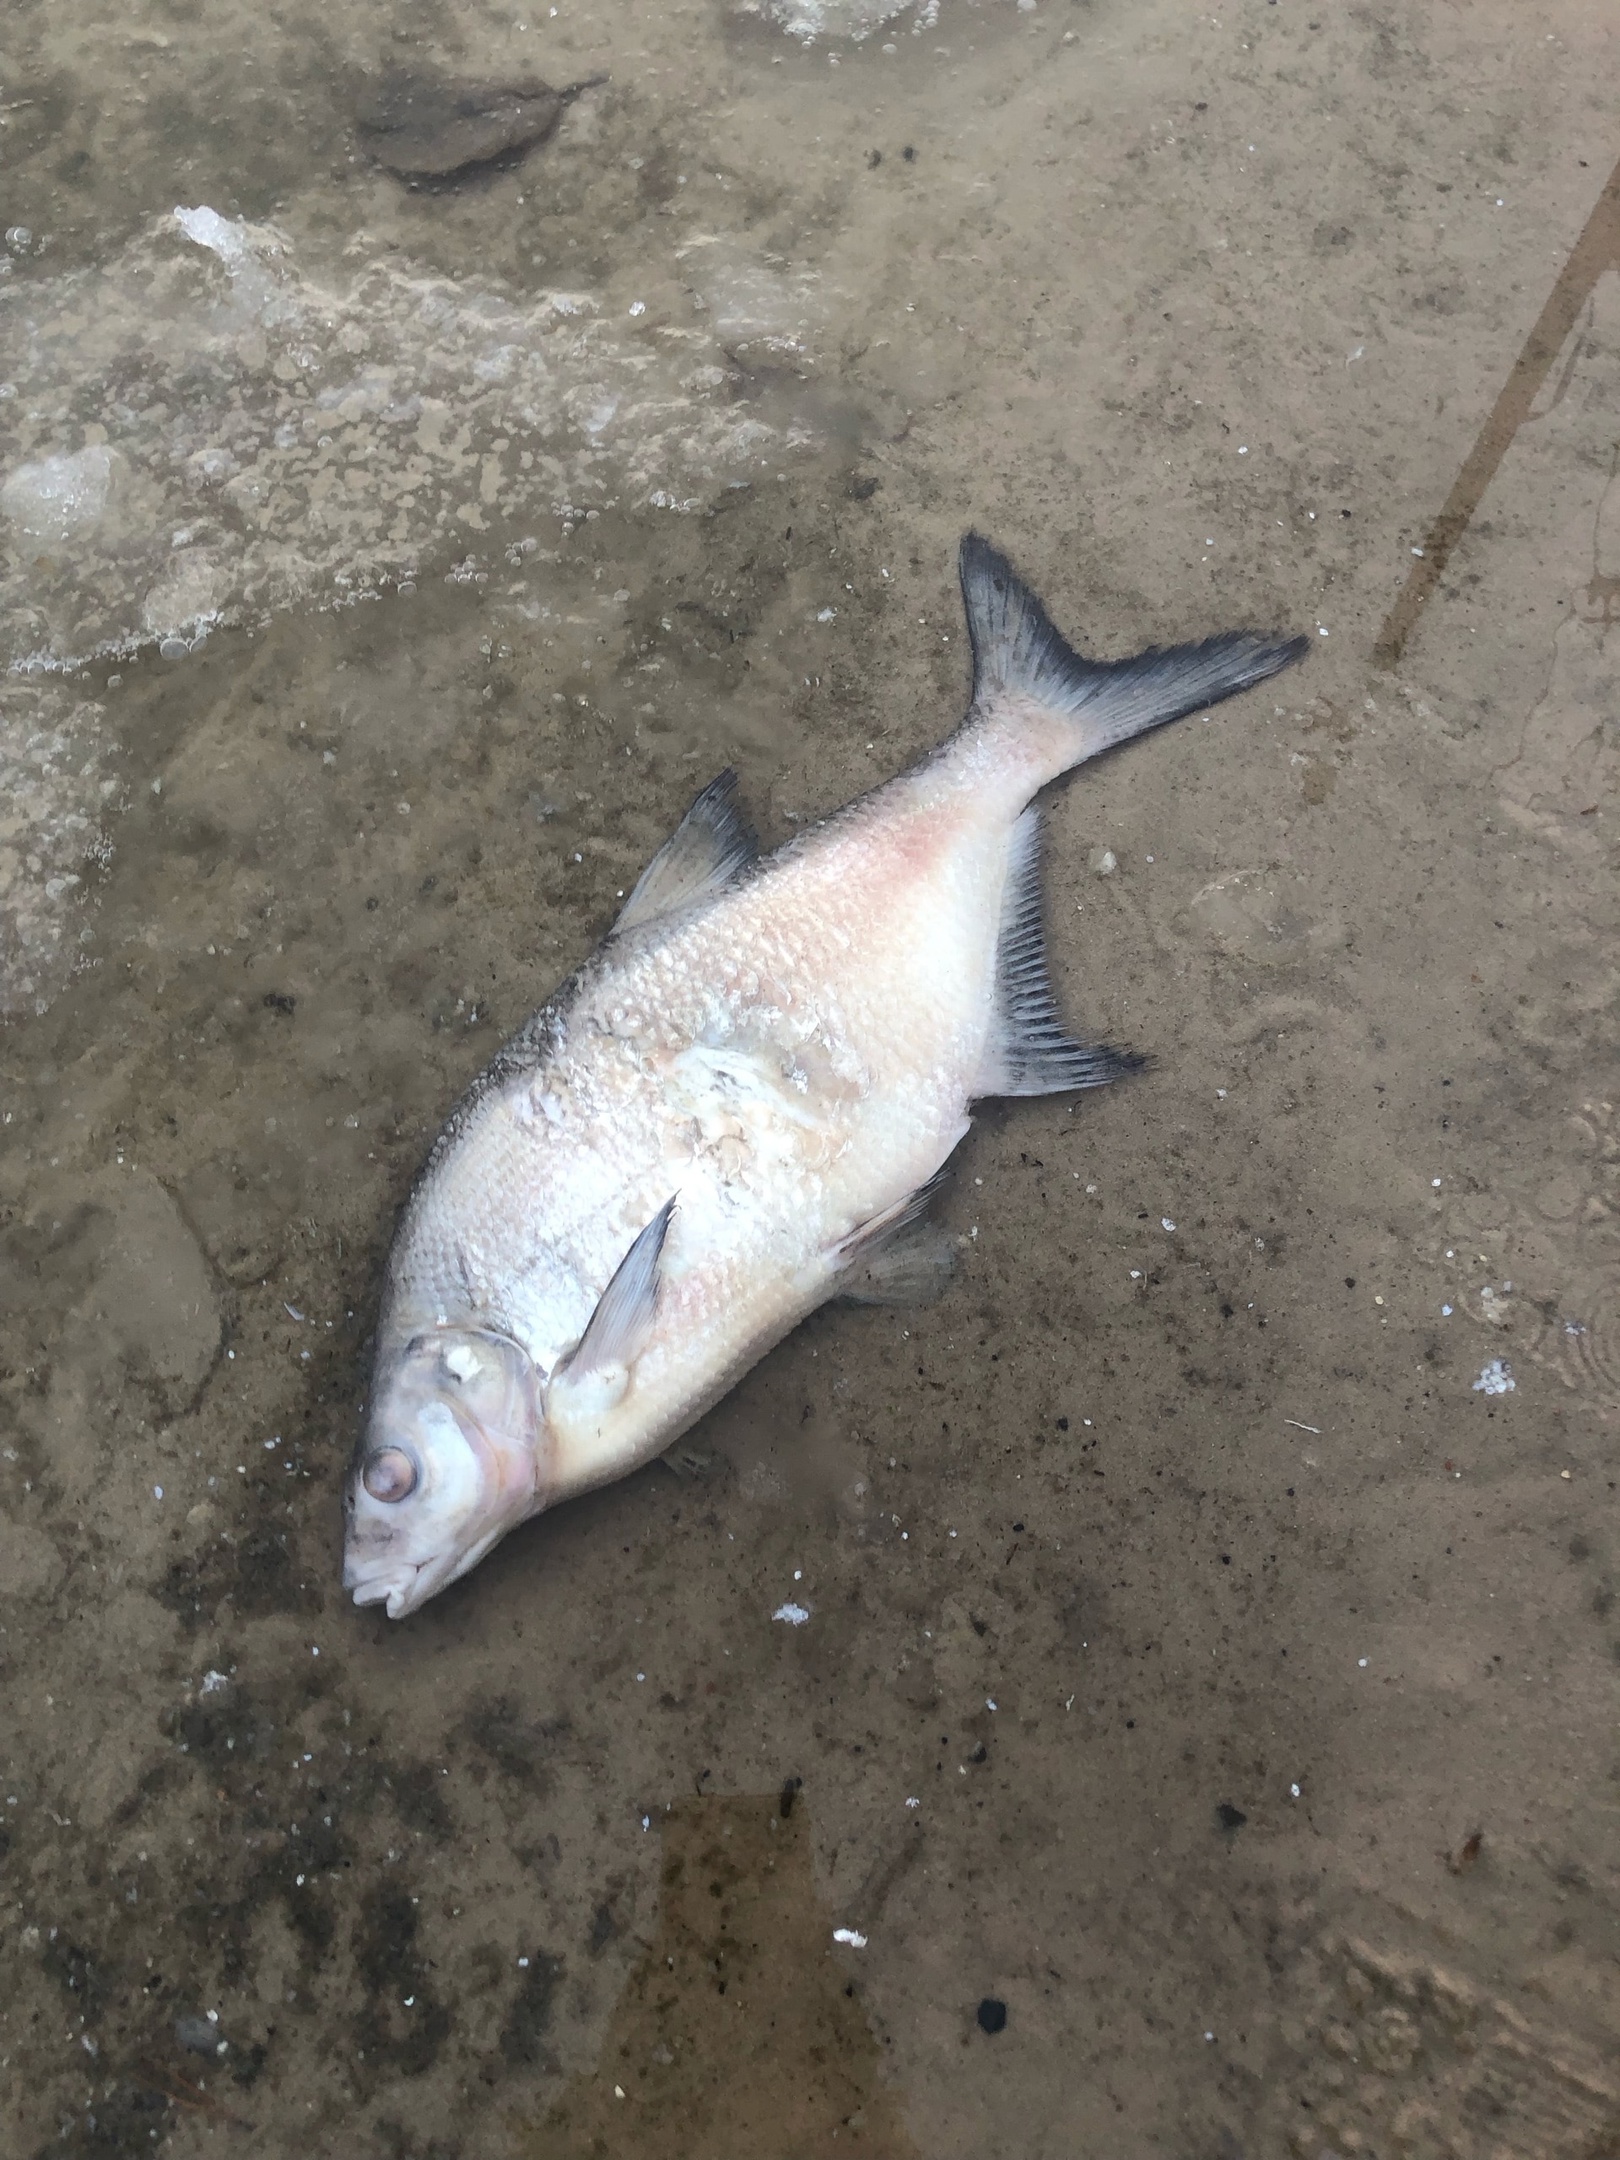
{"points": [[595, 1375]]}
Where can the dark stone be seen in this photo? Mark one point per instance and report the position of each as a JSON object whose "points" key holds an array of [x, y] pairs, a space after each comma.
{"points": [[992, 2015], [1229, 1817], [425, 128]]}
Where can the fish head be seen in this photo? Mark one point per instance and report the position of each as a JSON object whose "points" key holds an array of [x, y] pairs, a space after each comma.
{"points": [[451, 1458]]}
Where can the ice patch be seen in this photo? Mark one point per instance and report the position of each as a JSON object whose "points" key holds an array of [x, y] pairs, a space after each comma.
{"points": [[857, 20], [49, 502], [1496, 1379], [208, 429], [227, 239], [290, 433]]}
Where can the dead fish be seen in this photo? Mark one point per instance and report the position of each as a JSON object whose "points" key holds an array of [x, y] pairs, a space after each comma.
{"points": [[738, 1107], [423, 127]]}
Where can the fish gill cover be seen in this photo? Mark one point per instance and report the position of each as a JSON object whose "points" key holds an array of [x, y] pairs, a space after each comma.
{"points": [[206, 430]]}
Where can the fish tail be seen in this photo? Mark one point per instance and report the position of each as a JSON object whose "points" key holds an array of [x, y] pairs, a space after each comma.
{"points": [[1061, 708]]}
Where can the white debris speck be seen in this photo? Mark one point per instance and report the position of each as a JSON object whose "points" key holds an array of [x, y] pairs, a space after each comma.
{"points": [[212, 1682], [1361, 1661], [1445, 1312], [1496, 1379], [1165, 1223], [1293, 1792], [641, 1676], [1209, 2036], [291, 1311], [794, 1615], [852, 1936], [522, 1962], [618, 2092], [157, 1492], [638, 307], [912, 1800], [1435, 1182], [990, 1702], [646, 1822], [826, 614]]}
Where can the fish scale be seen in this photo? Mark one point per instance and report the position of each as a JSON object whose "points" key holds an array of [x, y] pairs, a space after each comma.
{"points": [[738, 1107]]}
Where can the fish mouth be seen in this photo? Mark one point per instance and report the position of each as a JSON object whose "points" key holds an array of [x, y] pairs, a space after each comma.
{"points": [[398, 1585]]}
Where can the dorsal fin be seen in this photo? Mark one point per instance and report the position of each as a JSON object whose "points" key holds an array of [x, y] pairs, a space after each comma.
{"points": [[707, 849], [1030, 1053]]}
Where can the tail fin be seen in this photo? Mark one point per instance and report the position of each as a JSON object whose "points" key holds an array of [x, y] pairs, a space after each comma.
{"points": [[1017, 653]]}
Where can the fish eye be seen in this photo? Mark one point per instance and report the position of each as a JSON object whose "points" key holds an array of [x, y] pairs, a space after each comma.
{"points": [[389, 1474]]}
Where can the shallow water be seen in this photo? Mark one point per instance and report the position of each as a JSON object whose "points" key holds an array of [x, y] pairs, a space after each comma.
{"points": [[1200, 1661]]}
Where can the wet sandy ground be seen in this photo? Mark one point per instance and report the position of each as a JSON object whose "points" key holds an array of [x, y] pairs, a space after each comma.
{"points": [[1201, 1663]]}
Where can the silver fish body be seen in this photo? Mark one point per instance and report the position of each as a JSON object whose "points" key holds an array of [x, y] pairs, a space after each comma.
{"points": [[735, 1109]]}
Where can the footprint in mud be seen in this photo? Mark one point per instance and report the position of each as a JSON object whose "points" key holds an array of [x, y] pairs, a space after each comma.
{"points": [[1250, 916], [1565, 781], [1567, 773], [1405, 2055], [740, 2035], [425, 127], [1557, 1301], [1579, 1339]]}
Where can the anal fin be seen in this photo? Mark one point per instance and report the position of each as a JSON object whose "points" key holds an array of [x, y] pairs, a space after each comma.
{"points": [[707, 849], [1030, 1052]]}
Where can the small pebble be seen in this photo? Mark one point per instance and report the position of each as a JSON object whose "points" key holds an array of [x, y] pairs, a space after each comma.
{"points": [[200, 2034], [992, 2015]]}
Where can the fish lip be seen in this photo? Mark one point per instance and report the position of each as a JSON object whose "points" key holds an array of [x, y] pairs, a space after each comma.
{"points": [[397, 1585]]}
